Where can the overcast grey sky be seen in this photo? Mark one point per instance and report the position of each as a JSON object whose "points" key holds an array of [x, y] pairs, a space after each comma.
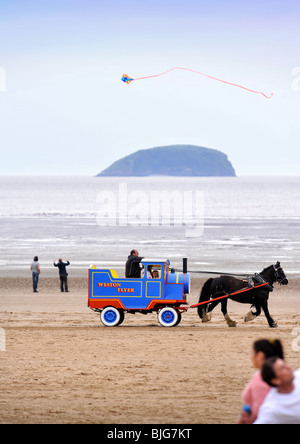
{"points": [[64, 109]]}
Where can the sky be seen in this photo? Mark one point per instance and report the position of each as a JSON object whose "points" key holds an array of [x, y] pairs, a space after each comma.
{"points": [[65, 111]]}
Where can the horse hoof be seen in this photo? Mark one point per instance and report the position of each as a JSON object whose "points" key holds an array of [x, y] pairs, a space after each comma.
{"points": [[206, 316], [249, 317], [229, 321], [233, 324], [274, 325]]}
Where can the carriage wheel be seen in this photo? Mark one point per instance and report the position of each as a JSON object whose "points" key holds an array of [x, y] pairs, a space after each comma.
{"points": [[111, 317], [122, 316], [169, 317]]}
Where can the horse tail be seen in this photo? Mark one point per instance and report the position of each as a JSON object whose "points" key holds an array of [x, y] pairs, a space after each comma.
{"points": [[204, 295]]}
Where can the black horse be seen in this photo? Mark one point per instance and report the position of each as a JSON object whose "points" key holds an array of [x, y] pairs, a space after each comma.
{"points": [[257, 297]]}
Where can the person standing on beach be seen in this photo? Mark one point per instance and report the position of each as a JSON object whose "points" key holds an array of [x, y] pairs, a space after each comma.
{"points": [[35, 268], [63, 275]]}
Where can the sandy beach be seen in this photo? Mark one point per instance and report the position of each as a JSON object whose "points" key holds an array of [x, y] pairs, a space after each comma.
{"points": [[61, 365]]}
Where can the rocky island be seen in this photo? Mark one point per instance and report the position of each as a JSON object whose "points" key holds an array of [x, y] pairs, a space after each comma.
{"points": [[173, 160]]}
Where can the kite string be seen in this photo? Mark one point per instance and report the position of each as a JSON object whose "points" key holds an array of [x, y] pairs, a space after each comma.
{"points": [[205, 75]]}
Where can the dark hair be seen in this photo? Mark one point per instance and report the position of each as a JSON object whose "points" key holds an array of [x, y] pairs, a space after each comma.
{"points": [[35, 259], [131, 253], [270, 347], [267, 370]]}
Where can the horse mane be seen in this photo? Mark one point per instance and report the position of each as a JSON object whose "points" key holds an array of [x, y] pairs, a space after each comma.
{"points": [[266, 269]]}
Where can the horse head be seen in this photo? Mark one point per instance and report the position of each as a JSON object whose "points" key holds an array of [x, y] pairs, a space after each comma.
{"points": [[280, 276]]}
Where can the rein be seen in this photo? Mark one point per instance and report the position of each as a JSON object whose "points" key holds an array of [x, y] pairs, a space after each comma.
{"points": [[212, 272], [229, 295]]}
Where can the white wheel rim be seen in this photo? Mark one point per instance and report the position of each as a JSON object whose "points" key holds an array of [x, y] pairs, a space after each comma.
{"points": [[168, 317]]}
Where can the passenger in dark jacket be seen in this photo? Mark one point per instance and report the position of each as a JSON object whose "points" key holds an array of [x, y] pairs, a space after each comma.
{"points": [[62, 274], [132, 268]]}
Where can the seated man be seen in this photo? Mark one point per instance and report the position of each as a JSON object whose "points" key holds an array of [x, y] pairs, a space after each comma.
{"points": [[132, 268]]}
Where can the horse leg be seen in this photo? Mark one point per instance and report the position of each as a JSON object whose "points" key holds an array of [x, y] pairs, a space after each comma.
{"points": [[250, 315], [229, 321], [207, 312], [206, 317], [271, 322]]}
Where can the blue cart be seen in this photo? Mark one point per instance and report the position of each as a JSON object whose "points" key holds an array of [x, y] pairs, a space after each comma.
{"points": [[159, 290]]}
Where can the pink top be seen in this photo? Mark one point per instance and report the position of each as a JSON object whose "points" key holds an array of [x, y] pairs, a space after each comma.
{"points": [[255, 393]]}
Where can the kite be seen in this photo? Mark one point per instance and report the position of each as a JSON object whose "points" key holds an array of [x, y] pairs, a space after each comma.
{"points": [[127, 79]]}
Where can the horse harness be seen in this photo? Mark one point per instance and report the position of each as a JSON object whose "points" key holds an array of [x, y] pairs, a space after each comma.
{"points": [[252, 281], [257, 279]]}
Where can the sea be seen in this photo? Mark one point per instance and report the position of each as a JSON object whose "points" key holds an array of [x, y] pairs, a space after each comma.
{"points": [[235, 225]]}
